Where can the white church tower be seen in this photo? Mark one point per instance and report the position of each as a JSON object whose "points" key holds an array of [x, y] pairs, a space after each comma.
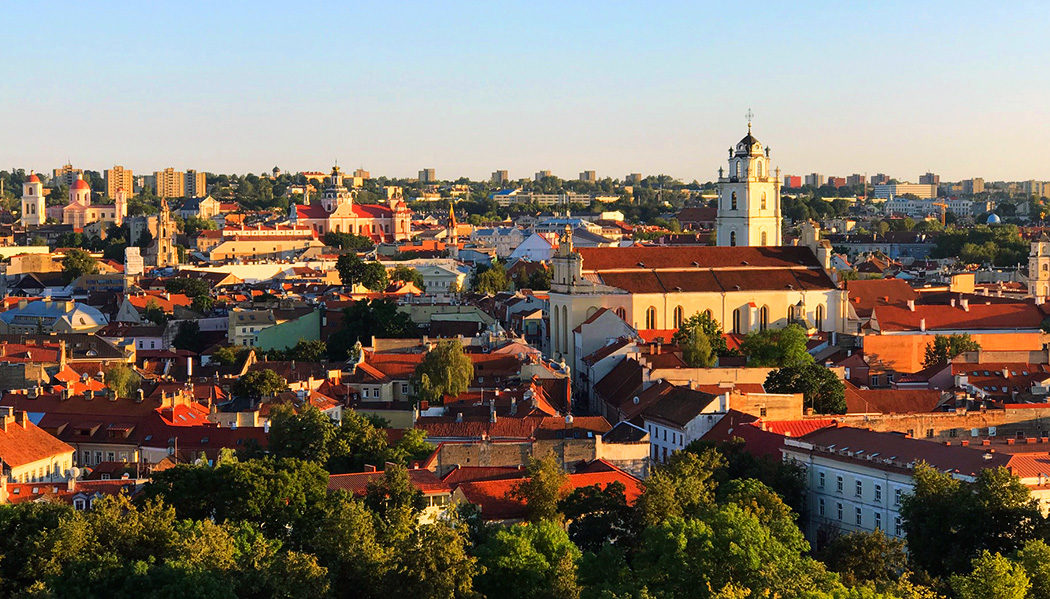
{"points": [[33, 210], [749, 197], [1039, 268]]}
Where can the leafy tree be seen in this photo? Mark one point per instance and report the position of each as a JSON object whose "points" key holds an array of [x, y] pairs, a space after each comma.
{"points": [[122, 380], [230, 355], [348, 241], [154, 313], [598, 516], [346, 542], [407, 274], [77, 263], [541, 489], [786, 479], [393, 494], [445, 370], [525, 561], [432, 562], [306, 435], [945, 347], [700, 324], [820, 388], [777, 347], [1035, 558], [993, 577], [682, 487], [948, 522], [194, 225], [355, 271], [358, 442], [492, 280], [412, 447], [862, 556], [365, 319], [303, 350], [258, 384], [202, 304], [188, 337], [188, 286]]}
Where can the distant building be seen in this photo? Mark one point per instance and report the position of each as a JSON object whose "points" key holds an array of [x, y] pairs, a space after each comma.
{"points": [[792, 181], [427, 175], [362, 174], [196, 185], [541, 175], [880, 179], [500, 177], [633, 179], [335, 211], [855, 179], [891, 190], [33, 207], [1038, 189], [118, 178], [169, 183], [929, 179], [80, 212], [973, 186], [837, 181], [46, 316], [815, 179], [588, 177], [749, 198], [67, 174]]}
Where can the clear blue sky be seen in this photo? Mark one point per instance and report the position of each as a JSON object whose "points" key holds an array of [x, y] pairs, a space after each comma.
{"points": [[467, 88]]}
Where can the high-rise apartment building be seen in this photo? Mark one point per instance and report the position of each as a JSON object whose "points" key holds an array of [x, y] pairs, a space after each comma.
{"points": [[888, 191], [427, 175], [67, 175], [855, 179], [500, 177], [169, 183], [633, 179], [118, 178], [362, 174], [929, 179], [815, 179], [196, 184], [588, 177], [973, 186], [541, 175], [880, 179], [793, 181], [837, 181]]}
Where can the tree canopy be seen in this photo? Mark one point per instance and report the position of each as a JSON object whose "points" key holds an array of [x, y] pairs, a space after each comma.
{"points": [[821, 389], [78, 262], [355, 271], [945, 347], [445, 370], [777, 347]]}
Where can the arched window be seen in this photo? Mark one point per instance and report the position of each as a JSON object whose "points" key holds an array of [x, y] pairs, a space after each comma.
{"points": [[732, 238], [764, 238], [555, 328], [820, 317], [708, 314], [758, 169], [736, 321], [763, 318], [650, 318], [737, 167], [564, 329], [1046, 267], [622, 314], [678, 313], [763, 200], [732, 203]]}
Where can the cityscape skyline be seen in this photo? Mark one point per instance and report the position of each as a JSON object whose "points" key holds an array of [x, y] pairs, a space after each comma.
{"points": [[467, 90]]}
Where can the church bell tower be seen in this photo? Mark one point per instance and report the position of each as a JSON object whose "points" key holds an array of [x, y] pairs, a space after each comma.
{"points": [[749, 197]]}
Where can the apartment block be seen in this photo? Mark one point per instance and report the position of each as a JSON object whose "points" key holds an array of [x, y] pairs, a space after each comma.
{"points": [[892, 190], [588, 177], [633, 179], [793, 181], [169, 183], [118, 178], [427, 175], [929, 179], [972, 186], [815, 179], [837, 181], [541, 175], [67, 175], [500, 177], [855, 179], [196, 185], [880, 179]]}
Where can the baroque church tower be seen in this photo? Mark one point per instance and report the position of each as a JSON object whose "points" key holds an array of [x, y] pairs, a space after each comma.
{"points": [[1039, 268], [749, 197], [33, 209]]}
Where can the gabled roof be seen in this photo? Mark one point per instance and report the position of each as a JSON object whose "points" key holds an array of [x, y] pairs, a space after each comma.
{"points": [[864, 295], [1015, 316], [682, 257], [357, 483], [22, 442], [678, 406], [891, 401]]}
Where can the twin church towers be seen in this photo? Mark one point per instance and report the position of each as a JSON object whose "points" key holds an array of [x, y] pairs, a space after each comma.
{"points": [[749, 197]]}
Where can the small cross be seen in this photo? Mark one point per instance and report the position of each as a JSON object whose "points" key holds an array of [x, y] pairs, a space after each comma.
{"points": [[750, 115]]}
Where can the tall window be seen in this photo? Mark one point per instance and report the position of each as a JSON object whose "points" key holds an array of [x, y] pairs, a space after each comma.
{"points": [[732, 238], [820, 317], [678, 313], [732, 201], [650, 318], [764, 238], [621, 313], [763, 200], [565, 328], [736, 320], [763, 318]]}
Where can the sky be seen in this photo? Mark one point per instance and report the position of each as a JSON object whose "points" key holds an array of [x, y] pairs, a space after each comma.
{"points": [[660, 87]]}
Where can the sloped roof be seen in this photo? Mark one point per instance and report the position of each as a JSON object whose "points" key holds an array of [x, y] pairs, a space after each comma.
{"points": [[357, 483], [977, 317], [24, 443], [891, 401]]}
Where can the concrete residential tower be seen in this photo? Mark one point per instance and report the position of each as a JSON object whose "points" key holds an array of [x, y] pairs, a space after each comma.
{"points": [[749, 197]]}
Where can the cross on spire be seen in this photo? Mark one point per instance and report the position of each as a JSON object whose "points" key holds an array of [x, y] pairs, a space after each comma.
{"points": [[749, 115]]}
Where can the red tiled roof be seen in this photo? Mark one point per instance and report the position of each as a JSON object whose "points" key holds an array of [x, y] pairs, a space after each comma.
{"points": [[469, 474], [796, 428], [864, 295], [24, 443], [1015, 316], [357, 483], [681, 257], [59, 491], [890, 401], [396, 366]]}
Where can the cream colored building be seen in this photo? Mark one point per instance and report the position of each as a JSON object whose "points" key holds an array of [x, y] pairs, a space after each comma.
{"points": [[118, 178], [749, 197], [28, 453], [195, 185], [170, 183], [272, 248], [655, 288]]}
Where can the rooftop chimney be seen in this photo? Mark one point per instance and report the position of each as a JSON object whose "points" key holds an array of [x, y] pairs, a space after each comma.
{"points": [[964, 304], [459, 416], [922, 324], [911, 305]]}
